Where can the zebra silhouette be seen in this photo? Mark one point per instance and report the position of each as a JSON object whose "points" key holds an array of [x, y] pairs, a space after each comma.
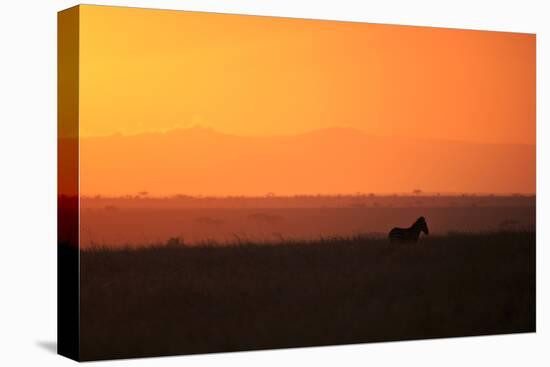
{"points": [[410, 234]]}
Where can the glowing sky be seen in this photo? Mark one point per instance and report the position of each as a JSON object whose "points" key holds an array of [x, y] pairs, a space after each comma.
{"points": [[154, 70]]}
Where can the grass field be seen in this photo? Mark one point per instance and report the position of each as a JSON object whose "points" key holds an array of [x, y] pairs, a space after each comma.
{"points": [[175, 299], [116, 222]]}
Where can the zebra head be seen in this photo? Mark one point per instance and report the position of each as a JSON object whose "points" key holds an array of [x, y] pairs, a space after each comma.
{"points": [[422, 225]]}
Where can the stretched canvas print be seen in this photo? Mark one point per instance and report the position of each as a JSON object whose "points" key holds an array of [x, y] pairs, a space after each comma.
{"points": [[233, 182]]}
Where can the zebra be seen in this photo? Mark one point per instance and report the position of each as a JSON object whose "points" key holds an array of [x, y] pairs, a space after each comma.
{"points": [[410, 234]]}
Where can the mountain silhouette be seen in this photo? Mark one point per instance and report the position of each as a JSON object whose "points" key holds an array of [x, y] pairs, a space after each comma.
{"points": [[203, 161]]}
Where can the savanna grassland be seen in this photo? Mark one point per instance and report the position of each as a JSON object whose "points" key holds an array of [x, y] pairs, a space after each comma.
{"points": [[176, 299], [140, 220]]}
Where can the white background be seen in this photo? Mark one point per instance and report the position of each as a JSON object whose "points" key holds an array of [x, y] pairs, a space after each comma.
{"points": [[28, 183]]}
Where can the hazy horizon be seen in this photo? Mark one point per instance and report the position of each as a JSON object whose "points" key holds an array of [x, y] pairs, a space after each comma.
{"points": [[274, 196], [327, 161], [205, 127]]}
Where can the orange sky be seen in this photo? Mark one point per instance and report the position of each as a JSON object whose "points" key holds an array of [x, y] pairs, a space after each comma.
{"points": [[154, 70], [144, 70]]}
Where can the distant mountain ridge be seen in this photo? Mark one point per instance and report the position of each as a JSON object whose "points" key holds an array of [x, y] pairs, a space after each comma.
{"points": [[332, 130], [200, 160]]}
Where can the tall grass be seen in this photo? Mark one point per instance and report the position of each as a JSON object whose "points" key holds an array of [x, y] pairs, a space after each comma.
{"points": [[178, 299]]}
